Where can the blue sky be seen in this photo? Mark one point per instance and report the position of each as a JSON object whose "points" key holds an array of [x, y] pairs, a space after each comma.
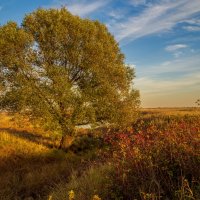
{"points": [[160, 39]]}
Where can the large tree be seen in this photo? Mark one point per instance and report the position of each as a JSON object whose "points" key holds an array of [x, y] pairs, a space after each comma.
{"points": [[65, 71]]}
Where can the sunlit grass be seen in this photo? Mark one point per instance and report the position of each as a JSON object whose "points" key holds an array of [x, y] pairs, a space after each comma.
{"points": [[20, 145], [29, 163]]}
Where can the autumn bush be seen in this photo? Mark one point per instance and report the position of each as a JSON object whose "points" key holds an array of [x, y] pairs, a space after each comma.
{"points": [[158, 159]]}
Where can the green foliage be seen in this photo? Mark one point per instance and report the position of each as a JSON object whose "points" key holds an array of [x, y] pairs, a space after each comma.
{"points": [[63, 71]]}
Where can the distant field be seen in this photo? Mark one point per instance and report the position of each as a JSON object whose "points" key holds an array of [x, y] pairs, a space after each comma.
{"points": [[172, 111], [161, 150]]}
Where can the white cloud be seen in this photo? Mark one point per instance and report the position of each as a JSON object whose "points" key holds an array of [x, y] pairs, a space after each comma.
{"points": [[193, 21], [82, 8], [177, 54], [1, 8], [116, 14], [192, 28], [193, 24], [156, 18], [175, 47]]}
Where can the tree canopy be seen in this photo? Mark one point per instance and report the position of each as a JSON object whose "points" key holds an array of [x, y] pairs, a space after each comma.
{"points": [[65, 71]]}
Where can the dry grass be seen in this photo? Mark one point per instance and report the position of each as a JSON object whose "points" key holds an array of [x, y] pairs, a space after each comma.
{"points": [[29, 163], [31, 166]]}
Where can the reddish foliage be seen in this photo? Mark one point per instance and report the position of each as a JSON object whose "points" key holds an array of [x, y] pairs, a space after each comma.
{"points": [[155, 155]]}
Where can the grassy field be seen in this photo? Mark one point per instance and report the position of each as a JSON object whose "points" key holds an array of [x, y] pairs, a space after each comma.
{"points": [[157, 158], [30, 163]]}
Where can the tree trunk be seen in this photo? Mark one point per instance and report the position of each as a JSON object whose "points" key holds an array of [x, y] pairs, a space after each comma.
{"points": [[66, 142], [67, 138], [67, 135]]}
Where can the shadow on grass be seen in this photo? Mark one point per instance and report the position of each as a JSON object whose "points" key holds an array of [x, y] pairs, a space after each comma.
{"points": [[33, 176], [29, 136]]}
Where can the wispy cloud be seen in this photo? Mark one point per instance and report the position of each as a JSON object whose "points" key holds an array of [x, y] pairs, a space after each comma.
{"points": [[192, 25], [83, 8], [194, 21], [1, 8], [175, 47], [116, 14], [156, 18], [192, 28]]}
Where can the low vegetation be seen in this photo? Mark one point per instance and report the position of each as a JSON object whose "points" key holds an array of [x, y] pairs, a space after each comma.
{"points": [[30, 162], [158, 157]]}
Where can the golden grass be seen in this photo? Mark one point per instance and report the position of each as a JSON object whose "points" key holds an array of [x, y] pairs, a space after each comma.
{"points": [[29, 163]]}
